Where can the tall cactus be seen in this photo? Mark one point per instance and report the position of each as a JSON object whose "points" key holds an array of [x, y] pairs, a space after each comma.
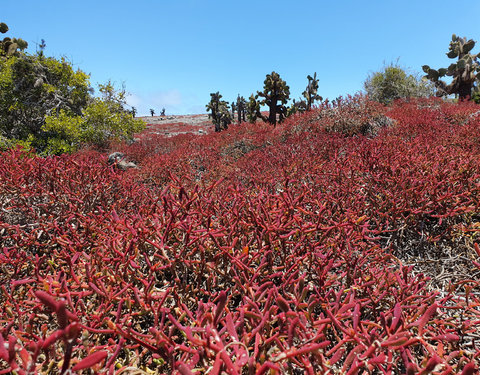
{"points": [[297, 107], [219, 112], [252, 109], [234, 109], [241, 108], [10, 46], [275, 90], [225, 117], [465, 72], [311, 92]]}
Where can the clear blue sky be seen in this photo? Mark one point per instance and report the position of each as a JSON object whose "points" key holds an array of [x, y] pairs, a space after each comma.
{"points": [[174, 53]]}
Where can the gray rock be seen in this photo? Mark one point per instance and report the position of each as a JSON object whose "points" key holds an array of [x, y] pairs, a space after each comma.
{"points": [[124, 165], [117, 159]]}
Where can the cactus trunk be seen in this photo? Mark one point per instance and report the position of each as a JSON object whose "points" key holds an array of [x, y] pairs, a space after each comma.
{"points": [[464, 91], [272, 116]]}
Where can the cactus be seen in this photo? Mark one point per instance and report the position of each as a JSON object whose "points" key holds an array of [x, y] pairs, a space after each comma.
{"points": [[300, 106], [41, 47], [311, 92], [225, 117], [212, 106], [275, 89], [234, 109], [3, 27], [252, 109], [133, 111], [219, 112], [241, 108], [465, 72], [152, 112], [9, 46], [162, 113]]}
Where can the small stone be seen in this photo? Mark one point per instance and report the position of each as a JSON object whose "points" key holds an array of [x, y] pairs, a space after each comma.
{"points": [[117, 159]]}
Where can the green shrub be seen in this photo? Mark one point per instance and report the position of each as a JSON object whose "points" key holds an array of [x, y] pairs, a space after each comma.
{"points": [[47, 105], [393, 83], [32, 87], [103, 120], [476, 95]]}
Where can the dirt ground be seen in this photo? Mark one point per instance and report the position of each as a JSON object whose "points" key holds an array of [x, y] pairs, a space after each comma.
{"points": [[179, 124]]}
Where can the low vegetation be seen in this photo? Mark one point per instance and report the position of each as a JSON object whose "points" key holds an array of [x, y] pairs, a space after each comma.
{"points": [[256, 250], [343, 241]]}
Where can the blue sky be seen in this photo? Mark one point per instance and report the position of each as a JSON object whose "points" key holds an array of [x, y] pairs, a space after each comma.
{"points": [[174, 53]]}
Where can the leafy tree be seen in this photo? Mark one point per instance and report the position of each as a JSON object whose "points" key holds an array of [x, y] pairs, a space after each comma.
{"points": [[32, 87], [275, 90], [465, 72], [152, 112], [104, 119], [393, 83], [48, 105]]}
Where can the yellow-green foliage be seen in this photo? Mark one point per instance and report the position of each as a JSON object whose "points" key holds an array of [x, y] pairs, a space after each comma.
{"points": [[47, 105], [6, 83], [7, 143], [98, 124], [394, 83], [31, 87]]}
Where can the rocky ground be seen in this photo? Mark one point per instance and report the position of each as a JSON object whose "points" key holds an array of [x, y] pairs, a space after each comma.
{"points": [[179, 124]]}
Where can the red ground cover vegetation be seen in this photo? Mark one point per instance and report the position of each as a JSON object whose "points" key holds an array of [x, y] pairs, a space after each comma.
{"points": [[169, 126], [306, 248]]}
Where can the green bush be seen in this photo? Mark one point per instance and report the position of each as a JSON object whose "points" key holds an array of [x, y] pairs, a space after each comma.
{"points": [[32, 87], [102, 121], [393, 82], [476, 94], [47, 105]]}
